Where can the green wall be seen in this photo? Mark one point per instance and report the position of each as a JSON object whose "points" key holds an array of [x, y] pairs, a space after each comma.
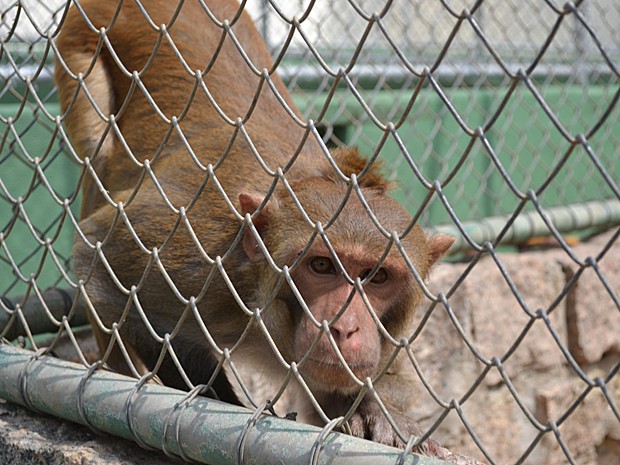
{"points": [[526, 142]]}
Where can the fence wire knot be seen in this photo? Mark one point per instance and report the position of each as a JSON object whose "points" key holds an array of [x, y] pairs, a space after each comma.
{"points": [[179, 180]]}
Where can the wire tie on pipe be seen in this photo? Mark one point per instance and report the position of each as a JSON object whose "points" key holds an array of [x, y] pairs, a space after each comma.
{"points": [[318, 445], [246, 430], [178, 408], [408, 450], [80, 398], [8, 303], [67, 299], [23, 380], [128, 409]]}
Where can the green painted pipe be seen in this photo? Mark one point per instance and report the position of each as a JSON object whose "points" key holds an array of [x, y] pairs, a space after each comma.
{"points": [[58, 302], [530, 224], [209, 431]]}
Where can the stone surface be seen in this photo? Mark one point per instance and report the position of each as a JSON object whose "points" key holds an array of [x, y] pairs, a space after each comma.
{"points": [[593, 308], [492, 320], [583, 429], [586, 322], [28, 438]]}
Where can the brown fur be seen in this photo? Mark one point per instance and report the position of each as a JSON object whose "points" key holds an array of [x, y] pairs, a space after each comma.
{"points": [[188, 242]]}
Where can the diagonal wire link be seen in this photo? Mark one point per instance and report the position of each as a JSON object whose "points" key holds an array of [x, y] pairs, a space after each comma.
{"points": [[482, 120]]}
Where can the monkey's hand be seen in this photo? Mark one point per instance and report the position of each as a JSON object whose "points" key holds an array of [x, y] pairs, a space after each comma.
{"points": [[370, 422]]}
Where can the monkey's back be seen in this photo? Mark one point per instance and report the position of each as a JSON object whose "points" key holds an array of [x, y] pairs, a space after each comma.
{"points": [[179, 92], [160, 213]]}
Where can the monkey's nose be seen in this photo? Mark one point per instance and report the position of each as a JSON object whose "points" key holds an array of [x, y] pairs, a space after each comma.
{"points": [[344, 329]]}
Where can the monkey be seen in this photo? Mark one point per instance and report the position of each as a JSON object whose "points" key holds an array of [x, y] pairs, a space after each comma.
{"points": [[215, 226]]}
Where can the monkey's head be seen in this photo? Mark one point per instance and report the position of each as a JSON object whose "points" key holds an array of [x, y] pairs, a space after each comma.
{"points": [[354, 292]]}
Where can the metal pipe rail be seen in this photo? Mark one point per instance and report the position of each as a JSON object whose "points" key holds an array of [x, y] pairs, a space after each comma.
{"points": [[203, 430], [43, 314], [566, 219]]}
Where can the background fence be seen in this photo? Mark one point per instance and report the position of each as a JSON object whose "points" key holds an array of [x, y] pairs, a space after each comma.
{"points": [[511, 106]]}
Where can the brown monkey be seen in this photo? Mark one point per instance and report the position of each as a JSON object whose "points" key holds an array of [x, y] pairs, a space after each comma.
{"points": [[200, 139]]}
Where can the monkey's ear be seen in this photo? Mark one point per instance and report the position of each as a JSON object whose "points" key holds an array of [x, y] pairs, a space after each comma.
{"points": [[249, 204], [437, 246]]}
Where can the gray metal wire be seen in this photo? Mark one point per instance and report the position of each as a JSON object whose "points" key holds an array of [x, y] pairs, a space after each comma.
{"points": [[466, 106]]}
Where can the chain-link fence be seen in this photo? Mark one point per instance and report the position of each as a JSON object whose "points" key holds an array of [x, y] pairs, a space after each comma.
{"points": [[498, 122]]}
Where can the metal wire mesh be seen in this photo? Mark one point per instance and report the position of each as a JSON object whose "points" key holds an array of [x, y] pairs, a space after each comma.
{"points": [[477, 109]]}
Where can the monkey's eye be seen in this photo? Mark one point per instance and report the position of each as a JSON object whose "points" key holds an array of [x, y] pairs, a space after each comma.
{"points": [[322, 265], [380, 277]]}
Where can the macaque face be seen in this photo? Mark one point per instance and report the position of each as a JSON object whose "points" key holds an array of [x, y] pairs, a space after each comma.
{"points": [[332, 298], [351, 293]]}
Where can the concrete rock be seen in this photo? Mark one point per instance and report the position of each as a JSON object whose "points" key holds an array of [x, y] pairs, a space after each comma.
{"points": [[28, 438], [585, 429], [586, 321], [593, 309], [492, 320]]}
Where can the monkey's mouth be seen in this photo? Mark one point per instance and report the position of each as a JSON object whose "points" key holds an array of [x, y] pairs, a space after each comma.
{"points": [[330, 372]]}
